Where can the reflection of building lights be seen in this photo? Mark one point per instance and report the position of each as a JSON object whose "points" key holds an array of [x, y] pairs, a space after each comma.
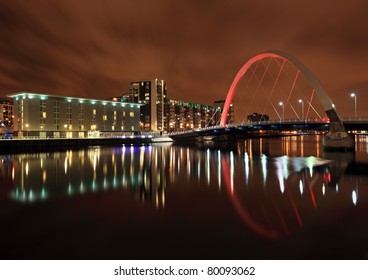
{"points": [[30, 196], [232, 170], [219, 168], [323, 189], [208, 166], [264, 168], [43, 193], [13, 173], [44, 176], [66, 165], [27, 168], [301, 187], [354, 197], [70, 190], [246, 167]]}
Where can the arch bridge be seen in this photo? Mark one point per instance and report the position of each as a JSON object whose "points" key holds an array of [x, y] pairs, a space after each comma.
{"points": [[273, 65]]}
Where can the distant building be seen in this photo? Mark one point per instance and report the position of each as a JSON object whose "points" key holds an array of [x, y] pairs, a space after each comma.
{"points": [[152, 97], [230, 115], [7, 112], [183, 116], [255, 117], [44, 115]]}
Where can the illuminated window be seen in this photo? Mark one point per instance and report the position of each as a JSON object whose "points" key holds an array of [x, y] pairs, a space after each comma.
{"points": [[44, 115], [104, 117], [131, 114]]}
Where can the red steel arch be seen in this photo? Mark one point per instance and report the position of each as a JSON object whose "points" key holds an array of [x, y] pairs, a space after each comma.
{"points": [[320, 92]]}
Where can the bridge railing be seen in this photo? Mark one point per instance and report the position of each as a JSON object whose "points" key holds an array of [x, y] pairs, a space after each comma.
{"points": [[354, 119], [269, 122]]}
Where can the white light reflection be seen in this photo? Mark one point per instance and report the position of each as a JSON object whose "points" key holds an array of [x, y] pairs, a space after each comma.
{"points": [[219, 168], [246, 168], [354, 197], [94, 161], [323, 189], [141, 157], [301, 187], [188, 162], [208, 166], [264, 168], [232, 171], [27, 168], [280, 175], [199, 169], [285, 166], [66, 165]]}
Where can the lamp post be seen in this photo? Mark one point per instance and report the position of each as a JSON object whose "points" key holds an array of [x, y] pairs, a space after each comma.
{"points": [[353, 95], [302, 102], [283, 109]]}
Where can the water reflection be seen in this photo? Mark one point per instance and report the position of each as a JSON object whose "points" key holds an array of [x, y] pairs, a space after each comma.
{"points": [[276, 186]]}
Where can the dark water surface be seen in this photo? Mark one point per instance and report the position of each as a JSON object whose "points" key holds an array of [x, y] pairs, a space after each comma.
{"points": [[255, 199]]}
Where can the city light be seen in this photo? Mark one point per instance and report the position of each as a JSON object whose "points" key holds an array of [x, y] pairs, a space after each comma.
{"points": [[302, 102], [283, 110], [353, 95]]}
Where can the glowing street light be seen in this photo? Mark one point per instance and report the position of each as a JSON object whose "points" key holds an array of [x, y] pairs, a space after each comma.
{"points": [[353, 95], [283, 109], [301, 101]]}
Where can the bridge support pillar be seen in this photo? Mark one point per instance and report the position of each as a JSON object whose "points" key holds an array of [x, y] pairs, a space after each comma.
{"points": [[337, 137]]}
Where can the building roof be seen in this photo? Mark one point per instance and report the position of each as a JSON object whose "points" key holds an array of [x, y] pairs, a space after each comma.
{"points": [[42, 96]]}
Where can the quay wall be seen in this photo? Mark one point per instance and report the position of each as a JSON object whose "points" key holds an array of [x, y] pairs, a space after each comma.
{"points": [[8, 146]]}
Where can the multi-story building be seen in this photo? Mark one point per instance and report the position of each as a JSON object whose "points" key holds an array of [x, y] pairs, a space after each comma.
{"points": [[183, 116], [152, 97], [44, 115], [6, 112], [230, 115]]}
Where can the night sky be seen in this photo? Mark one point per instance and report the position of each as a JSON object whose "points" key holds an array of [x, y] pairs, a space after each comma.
{"points": [[93, 48]]}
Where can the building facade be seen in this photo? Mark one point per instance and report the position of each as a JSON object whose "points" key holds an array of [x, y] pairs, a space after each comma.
{"points": [[183, 116], [7, 112], [43, 116], [152, 97], [230, 115]]}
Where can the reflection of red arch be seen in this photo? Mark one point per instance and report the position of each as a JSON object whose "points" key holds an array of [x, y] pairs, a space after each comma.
{"points": [[243, 213], [320, 92]]}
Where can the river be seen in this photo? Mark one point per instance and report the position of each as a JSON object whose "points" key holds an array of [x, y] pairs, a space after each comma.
{"points": [[268, 198]]}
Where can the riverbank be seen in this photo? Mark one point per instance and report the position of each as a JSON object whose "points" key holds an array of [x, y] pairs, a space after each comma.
{"points": [[8, 146]]}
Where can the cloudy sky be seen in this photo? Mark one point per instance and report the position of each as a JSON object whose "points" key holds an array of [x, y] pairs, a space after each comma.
{"points": [[94, 48]]}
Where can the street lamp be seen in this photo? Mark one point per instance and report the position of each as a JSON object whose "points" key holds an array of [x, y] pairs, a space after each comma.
{"points": [[353, 95], [283, 109], [301, 101]]}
